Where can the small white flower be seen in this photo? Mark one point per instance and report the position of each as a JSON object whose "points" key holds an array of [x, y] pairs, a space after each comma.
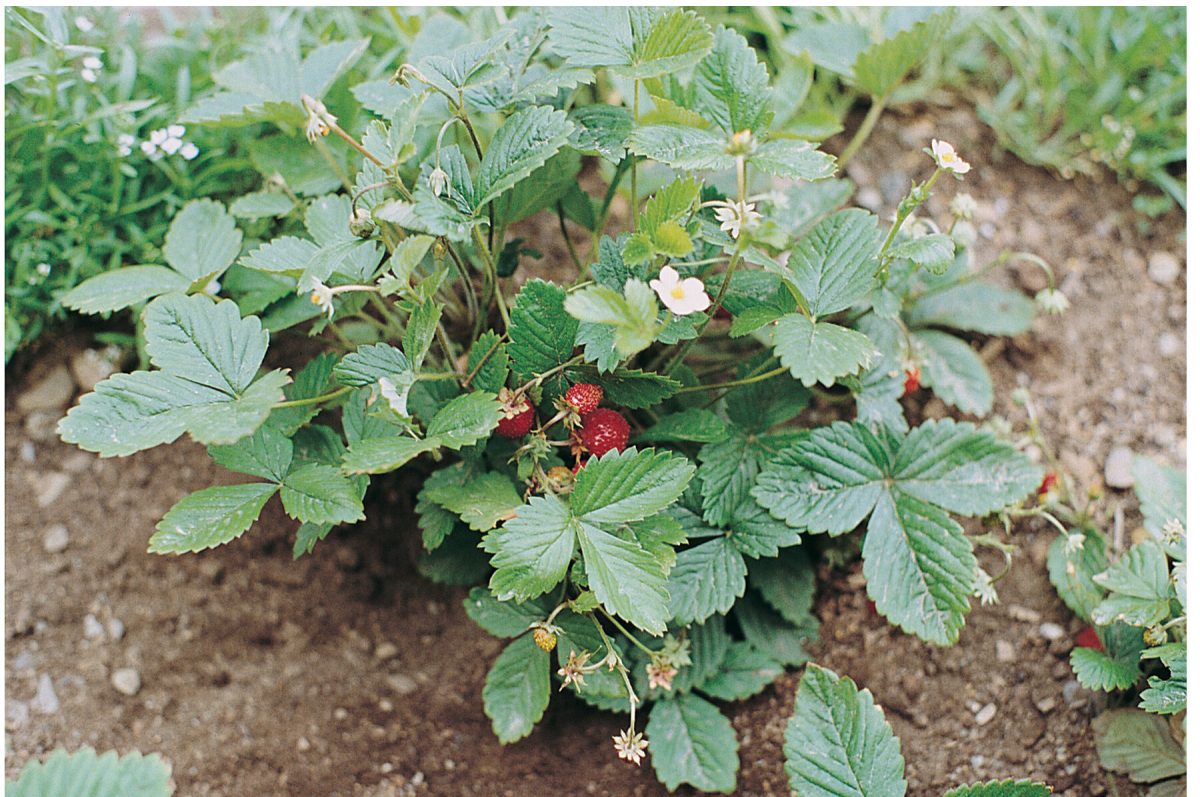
{"points": [[983, 588], [736, 215], [124, 151], [125, 140], [171, 145], [1052, 301], [157, 137], [176, 131], [946, 158], [84, 24], [963, 206], [319, 118], [1075, 543], [1173, 530], [43, 269], [94, 63], [213, 287], [681, 297], [188, 151], [148, 147], [88, 75], [322, 296], [438, 180]]}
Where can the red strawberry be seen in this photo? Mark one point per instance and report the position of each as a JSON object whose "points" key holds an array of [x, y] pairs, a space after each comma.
{"points": [[1088, 638], [517, 417], [585, 398], [604, 430], [1048, 483], [912, 381]]}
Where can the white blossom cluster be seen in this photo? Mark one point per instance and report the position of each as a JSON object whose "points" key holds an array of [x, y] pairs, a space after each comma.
{"points": [[162, 142]]}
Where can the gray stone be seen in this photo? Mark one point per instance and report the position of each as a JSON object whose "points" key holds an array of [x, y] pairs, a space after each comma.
{"points": [[50, 393], [1118, 468], [401, 684], [116, 629], [92, 629], [386, 650], [1169, 345], [50, 487], [45, 701], [985, 714], [1005, 652], [1074, 695], [56, 539], [90, 367], [127, 681], [18, 713], [1051, 631], [1163, 267]]}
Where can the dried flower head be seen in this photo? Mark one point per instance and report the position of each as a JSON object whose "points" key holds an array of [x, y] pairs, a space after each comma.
{"points": [[631, 747], [735, 216], [319, 118], [661, 674], [572, 671]]}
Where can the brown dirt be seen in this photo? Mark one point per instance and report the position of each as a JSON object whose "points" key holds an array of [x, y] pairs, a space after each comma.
{"points": [[260, 675]]}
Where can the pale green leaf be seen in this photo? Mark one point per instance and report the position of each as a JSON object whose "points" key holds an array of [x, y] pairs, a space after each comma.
{"points": [[602, 130], [465, 420], [745, 672], [731, 87], [681, 147], [1138, 744], [625, 486], [821, 351], [116, 290], [525, 141], [383, 454], [974, 307], [368, 364], [1071, 571], [1162, 495], [261, 205], [692, 425], [634, 43], [1002, 788], [266, 454], [84, 774], [317, 493], [1097, 669], [517, 689], [288, 255], [210, 517], [692, 742], [788, 583], [202, 240], [625, 577], [505, 619], [206, 342], [834, 265], [481, 501], [955, 372], [792, 158], [881, 68], [766, 629], [706, 580], [530, 553], [933, 252]]}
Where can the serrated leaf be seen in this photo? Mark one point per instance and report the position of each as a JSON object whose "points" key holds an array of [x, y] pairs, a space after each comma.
{"points": [[1138, 744], [692, 742], [834, 265], [633, 315], [542, 333], [880, 68], [210, 517], [706, 580], [1165, 696], [727, 472], [601, 129], [1140, 587], [792, 158], [745, 672], [955, 372], [525, 141], [318, 493], [490, 374], [530, 553], [838, 742], [205, 342], [481, 501], [692, 425], [383, 454], [730, 86], [465, 420], [504, 619], [368, 364], [126, 286], [787, 583], [680, 147], [287, 255], [261, 205], [1162, 495], [821, 351], [517, 689], [932, 252], [630, 485], [1002, 788], [266, 454], [1096, 669], [974, 307], [202, 240], [756, 534], [84, 774], [625, 577], [634, 43], [456, 562], [629, 388]]}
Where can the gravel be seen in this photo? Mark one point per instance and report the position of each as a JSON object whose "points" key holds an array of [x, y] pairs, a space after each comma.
{"points": [[56, 539], [127, 681], [45, 701], [1163, 267], [1118, 468]]}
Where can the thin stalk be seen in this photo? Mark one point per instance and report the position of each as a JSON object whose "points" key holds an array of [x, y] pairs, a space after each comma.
{"points": [[749, 380], [864, 131], [314, 400], [349, 139], [562, 227], [633, 187]]}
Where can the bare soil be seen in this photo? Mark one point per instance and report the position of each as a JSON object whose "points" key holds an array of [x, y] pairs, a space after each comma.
{"points": [[260, 675]]}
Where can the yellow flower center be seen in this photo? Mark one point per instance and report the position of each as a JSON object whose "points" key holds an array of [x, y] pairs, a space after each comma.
{"points": [[316, 298], [677, 292]]}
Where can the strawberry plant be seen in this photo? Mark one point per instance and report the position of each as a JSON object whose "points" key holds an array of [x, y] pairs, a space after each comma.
{"points": [[630, 448]]}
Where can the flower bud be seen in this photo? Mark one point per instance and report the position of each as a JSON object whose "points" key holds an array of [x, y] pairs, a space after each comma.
{"points": [[361, 223]]}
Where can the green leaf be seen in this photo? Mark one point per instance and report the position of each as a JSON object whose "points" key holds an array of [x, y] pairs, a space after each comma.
{"points": [[727, 472], [1002, 788], [126, 286], [202, 241], [680, 147], [706, 580], [1162, 494], [820, 352], [881, 68], [634, 43], [525, 141], [542, 333], [630, 485], [974, 307], [766, 629], [367, 364], [788, 583], [932, 252], [692, 742], [632, 316], [730, 86], [85, 774], [517, 689], [745, 672], [287, 255], [490, 375], [756, 534], [692, 425], [918, 561], [319, 493], [633, 389], [383, 454], [1096, 669], [1138, 744], [261, 205], [311, 382], [266, 454], [505, 619], [205, 342], [465, 420], [794, 159], [955, 372], [601, 130], [834, 265], [1140, 587], [530, 553], [1166, 696], [625, 577], [1071, 571], [481, 501], [838, 742], [210, 517]]}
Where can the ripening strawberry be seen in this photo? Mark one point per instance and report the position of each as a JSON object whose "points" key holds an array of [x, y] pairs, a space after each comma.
{"points": [[1048, 483], [585, 398], [1088, 638], [517, 415], [912, 381], [604, 430]]}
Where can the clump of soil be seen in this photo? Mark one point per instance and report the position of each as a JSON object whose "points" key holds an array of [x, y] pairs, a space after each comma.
{"points": [[346, 673]]}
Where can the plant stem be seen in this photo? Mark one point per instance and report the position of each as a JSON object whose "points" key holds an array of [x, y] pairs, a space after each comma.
{"points": [[633, 189], [562, 227], [863, 132], [749, 380], [314, 400], [712, 310], [349, 139]]}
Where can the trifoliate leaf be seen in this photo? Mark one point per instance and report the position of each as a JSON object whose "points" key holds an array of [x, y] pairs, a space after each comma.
{"points": [[1140, 587], [1002, 788], [834, 265], [821, 351], [126, 286], [680, 147], [745, 672], [727, 472], [282, 255], [706, 580], [542, 333], [525, 141], [1138, 744], [974, 307], [84, 773], [692, 742], [634, 43], [918, 562], [267, 454], [210, 517], [838, 742], [318, 493], [633, 316], [202, 241], [955, 372], [517, 689]]}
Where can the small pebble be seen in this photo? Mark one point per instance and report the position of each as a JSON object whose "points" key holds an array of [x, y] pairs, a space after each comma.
{"points": [[1074, 695], [1046, 705], [386, 650], [17, 713], [986, 714], [51, 393], [1005, 652], [1118, 468], [340, 714], [116, 630], [50, 487], [1023, 614], [1051, 631], [401, 684], [1163, 267], [127, 681], [1169, 345], [92, 629], [28, 452], [303, 745], [56, 539], [45, 701], [977, 762]]}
